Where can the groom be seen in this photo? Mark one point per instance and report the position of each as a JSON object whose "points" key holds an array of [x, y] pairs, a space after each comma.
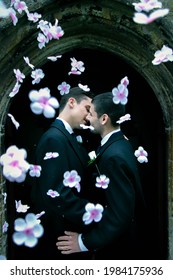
{"points": [[118, 235]]}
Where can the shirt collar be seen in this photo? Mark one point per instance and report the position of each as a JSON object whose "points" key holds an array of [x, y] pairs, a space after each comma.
{"points": [[66, 124], [107, 136]]}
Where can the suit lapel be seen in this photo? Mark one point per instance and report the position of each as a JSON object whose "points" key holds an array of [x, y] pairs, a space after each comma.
{"points": [[113, 138], [79, 151]]}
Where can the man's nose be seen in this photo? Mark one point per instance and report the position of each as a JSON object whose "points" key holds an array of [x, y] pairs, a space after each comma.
{"points": [[88, 118]]}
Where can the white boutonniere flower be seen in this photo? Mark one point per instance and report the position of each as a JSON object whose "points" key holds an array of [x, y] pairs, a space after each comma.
{"points": [[92, 156]]}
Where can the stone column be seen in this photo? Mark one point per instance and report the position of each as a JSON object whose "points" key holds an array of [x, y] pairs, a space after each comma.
{"points": [[170, 194], [3, 236]]}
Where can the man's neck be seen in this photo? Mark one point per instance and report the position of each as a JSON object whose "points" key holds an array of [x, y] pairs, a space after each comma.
{"points": [[107, 131]]}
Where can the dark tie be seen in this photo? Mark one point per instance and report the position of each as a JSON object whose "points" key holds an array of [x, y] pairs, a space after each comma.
{"points": [[98, 149], [74, 136]]}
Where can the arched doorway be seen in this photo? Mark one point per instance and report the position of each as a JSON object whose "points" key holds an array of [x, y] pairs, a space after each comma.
{"points": [[103, 72]]}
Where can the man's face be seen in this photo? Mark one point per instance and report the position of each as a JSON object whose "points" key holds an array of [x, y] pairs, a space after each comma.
{"points": [[80, 112], [94, 120]]}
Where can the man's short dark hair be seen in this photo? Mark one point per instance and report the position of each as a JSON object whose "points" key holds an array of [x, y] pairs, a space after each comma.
{"points": [[77, 93], [103, 104]]}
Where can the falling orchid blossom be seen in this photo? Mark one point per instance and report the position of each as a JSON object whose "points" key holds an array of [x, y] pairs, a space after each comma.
{"points": [[102, 182], [43, 25], [16, 124], [42, 40], [74, 72], [34, 17], [147, 5], [77, 64], [72, 179], [15, 90], [37, 75], [87, 126], [64, 88], [77, 67], [9, 12], [163, 55], [120, 94], [28, 62], [21, 208], [143, 18], [84, 87], [42, 102], [48, 32], [93, 213], [53, 193], [5, 227], [124, 118], [13, 16], [4, 11], [14, 164], [141, 155], [19, 75], [55, 31], [54, 58], [20, 6], [50, 155], [27, 231], [35, 170]]}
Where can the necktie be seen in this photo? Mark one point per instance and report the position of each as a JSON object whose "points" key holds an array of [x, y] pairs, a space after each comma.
{"points": [[98, 149], [73, 135]]}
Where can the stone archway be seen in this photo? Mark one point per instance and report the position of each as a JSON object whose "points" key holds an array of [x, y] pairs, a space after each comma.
{"points": [[102, 25]]}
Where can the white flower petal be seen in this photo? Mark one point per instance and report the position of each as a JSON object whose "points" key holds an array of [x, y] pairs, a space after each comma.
{"points": [[31, 241], [31, 219], [19, 224], [38, 230], [36, 108], [49, 112], [19, 238]]}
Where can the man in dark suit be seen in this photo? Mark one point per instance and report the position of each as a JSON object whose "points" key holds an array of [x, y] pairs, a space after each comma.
{"points": [[116, 235], [58, 152]]}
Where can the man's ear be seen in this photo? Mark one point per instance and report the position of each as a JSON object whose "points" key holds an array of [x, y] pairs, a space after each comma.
{"points": [[71, 102], [104, 119]]}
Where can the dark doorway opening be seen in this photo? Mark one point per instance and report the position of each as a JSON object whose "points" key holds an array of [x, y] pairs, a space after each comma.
{"points": [[103, 71]]}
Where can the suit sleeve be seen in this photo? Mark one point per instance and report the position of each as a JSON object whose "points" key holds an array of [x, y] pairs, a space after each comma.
{"points": [[119, 210]]}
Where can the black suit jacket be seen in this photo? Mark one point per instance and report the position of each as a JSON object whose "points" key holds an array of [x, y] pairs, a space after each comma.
{"points": [[65, 211], [113, 237]]}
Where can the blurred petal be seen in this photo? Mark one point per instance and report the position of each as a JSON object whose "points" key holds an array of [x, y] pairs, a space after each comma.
{"points": [[36, 108], [31, 241], [38, 230], [30, 219], [19, 238], [19, 224], [49, 112]]}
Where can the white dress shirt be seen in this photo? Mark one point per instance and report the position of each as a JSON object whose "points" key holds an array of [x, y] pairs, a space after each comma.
{"points": [[66, 124]]}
